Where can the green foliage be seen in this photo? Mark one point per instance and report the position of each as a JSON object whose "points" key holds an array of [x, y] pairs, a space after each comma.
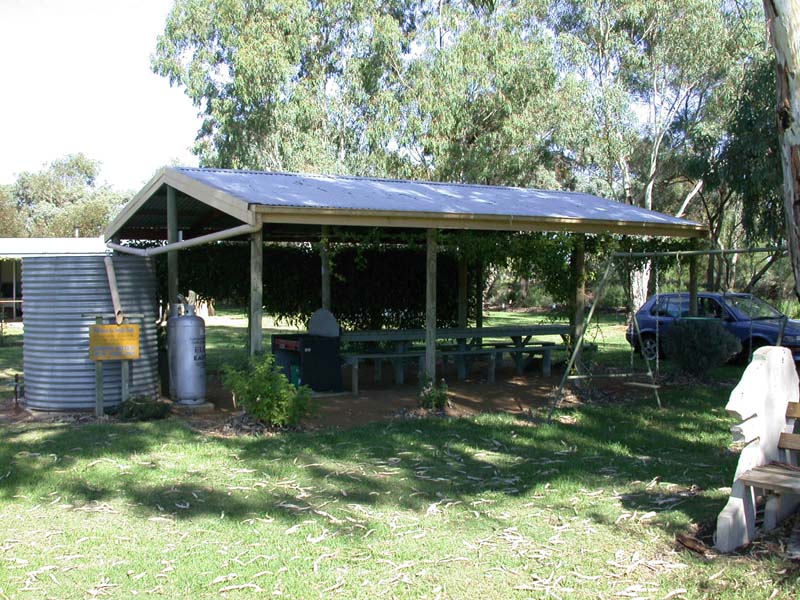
{"points": [[615, 97], [464, 91], [143, 409], [12, 223], [752, 155], [265, 393], [62, 197], [63, 182], [699, 345], [432, 396], [371, 286], [258, 72]]}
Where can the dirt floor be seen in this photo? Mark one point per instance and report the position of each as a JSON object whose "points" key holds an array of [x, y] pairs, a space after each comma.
{"points": [[377, 401], [517, 394]]}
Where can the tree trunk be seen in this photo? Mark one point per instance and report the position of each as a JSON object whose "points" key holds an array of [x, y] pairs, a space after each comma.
{"points": [[640, 279], [783, 23], [710, 273]]}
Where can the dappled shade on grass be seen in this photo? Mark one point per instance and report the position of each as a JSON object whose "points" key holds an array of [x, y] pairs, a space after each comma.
{"points": [[479, 506]]}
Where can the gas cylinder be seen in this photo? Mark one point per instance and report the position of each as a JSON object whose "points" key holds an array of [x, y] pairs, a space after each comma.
{"points": [[186, 344]]}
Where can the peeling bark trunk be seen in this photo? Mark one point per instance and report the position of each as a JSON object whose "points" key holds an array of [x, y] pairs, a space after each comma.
{"points": [[783, 24], [640, 278], [627, 186]]}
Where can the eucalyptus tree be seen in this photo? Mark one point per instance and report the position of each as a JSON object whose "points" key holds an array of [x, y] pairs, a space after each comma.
{"points": [[658, 71], [63, 197], [751, 155], [12, 223], [456, 90], [783, 21], [478, 99], [267, 76]]}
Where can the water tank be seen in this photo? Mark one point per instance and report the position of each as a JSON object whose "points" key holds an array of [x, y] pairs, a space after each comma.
{"points": [[186, 341], [61, 295]]}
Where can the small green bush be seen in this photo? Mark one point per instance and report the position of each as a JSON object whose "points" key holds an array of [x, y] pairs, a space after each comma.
{"points": [[143, 409], [432, 396], [699, 345], [265, 393]]}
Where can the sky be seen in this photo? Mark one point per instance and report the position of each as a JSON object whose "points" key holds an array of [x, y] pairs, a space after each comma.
{"points": [[76, 78]]}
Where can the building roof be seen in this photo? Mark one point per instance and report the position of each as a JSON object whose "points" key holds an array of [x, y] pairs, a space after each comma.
{"points": [[25, 247], [214, 199]]}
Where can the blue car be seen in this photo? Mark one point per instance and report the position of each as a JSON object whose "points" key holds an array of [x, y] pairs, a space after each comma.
{"points": [[754, 322]]}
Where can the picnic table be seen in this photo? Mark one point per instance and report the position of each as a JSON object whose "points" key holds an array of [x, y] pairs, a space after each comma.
{"points": [[519, 334], [465, 343]]}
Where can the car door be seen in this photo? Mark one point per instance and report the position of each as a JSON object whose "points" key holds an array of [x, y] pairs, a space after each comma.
{"points": [[666, 311], [714, 308], [710, 308]]}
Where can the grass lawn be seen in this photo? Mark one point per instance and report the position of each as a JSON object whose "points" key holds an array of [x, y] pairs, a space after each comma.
{"points": [[490, 507], [10, 357]]}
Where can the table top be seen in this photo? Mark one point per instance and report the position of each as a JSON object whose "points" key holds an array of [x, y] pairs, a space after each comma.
{"points": [[454, 333]]}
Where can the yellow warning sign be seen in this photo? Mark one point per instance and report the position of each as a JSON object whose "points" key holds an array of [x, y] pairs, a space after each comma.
{"points": [[113, 342]]}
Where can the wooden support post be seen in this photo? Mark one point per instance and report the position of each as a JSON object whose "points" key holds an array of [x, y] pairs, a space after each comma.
{"points": [[478, 342], [460, 359], [547, 363], [326, 268], [579, 271], [256, 292], [492, 367], [462, 292], [430, 305], [125, 370], [13, 290], [479, 295], [125, 373], [398, 369], [172, 237], [98, 380]]}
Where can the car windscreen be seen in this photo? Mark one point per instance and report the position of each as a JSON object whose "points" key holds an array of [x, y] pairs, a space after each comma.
{"points": [[753, 308]]}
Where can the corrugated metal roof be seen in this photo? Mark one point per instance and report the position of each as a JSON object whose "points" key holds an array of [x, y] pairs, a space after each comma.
{"points": [[357, 193], [24, 247], [312, 200]]}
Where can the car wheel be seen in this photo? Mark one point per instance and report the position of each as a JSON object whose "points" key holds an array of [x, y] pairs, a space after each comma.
{"points": [[649, 349]]}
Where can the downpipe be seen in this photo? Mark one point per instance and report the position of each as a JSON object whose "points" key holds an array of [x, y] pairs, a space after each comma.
{"points": [[198, 241]]}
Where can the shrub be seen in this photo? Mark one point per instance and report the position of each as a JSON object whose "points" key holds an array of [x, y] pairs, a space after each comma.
{"points": [[699, 345], [143, 409], [432, 396], [266, 394]]}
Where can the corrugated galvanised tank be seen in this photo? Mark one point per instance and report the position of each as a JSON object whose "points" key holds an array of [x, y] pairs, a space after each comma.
{"points": [[61, 295]]}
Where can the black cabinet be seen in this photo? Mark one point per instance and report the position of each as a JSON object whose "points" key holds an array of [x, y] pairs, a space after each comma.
{"points": [[311, 360]]}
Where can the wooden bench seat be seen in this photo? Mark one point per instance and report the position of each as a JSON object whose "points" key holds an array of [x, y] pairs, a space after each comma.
{"points": [[766, 399], [492, 352], [779, 476], [397, 358], [776, 477]]}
